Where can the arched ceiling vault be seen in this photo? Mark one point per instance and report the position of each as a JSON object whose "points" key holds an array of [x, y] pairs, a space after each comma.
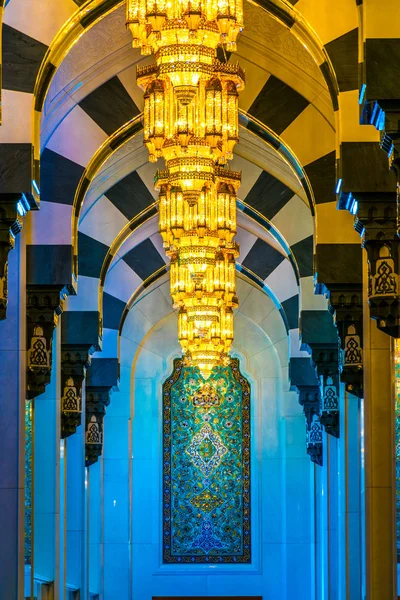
{"points": [[86, 83], [264, 156], [80, 25], [290, 25], [123, 153], [137, 236]]}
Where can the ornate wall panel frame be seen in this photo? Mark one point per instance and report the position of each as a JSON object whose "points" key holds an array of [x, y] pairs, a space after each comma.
{"points": [[206, 466]]}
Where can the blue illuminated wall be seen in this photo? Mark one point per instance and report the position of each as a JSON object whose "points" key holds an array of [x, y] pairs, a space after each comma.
{"points": [[282, 476], [206, 467]]}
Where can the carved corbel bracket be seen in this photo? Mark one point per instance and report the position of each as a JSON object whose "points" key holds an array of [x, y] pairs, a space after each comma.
{"points": [[320, 337], [102, 377], [44, 305], [347, 303], [74, 363], [377, 222], [97, 399], [390, 136], [310, 400], [79, 339], [339, 274], [326, 360], [314, 440], [12, 209], [303, 378]]}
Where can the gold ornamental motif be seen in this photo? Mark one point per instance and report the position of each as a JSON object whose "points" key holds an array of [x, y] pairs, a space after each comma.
{"points": [[206, 501], [206, 397]]}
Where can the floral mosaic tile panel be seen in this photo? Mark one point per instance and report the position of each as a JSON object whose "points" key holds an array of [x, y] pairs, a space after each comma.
{"points": [[206, 466]]}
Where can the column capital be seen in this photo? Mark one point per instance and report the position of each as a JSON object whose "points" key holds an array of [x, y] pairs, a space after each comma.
{"points": [[320, 337], [314, 440], [102, 377], [377, 222], [44, 305], [79, 339], [369, 192], [74, 363], [339, 273], [303, 377], [97, 399]]}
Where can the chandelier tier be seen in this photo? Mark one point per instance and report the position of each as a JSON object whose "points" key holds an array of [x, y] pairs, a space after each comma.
{"points": [[191, 121]]}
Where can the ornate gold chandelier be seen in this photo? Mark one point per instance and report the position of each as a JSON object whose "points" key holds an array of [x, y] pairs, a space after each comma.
{"points": [[191, 121]]}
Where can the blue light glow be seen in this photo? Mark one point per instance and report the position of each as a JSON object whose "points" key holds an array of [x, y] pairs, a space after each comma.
{"points": [[20, 209], [354, 208], [362, 93], [339, 186], [35, 187], [374, 113], [23, 206], [381, 120]]}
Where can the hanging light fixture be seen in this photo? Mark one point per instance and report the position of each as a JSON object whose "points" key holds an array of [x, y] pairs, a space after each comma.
{"points": [[191, 121]]}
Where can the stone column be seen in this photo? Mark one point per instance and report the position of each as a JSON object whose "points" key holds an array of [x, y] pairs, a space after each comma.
{"points": [[95, 487], [48, 480], [12, 443], [380, 482], [104, 477], [349, 468], [75, 511], [331, 463], [320, 336], [369, 192], [321, 532], [80, 338], [298, 494], [43, 386], [339, 269]]}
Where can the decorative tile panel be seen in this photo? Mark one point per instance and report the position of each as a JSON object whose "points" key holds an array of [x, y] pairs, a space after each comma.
{"points": [[206, 466]]}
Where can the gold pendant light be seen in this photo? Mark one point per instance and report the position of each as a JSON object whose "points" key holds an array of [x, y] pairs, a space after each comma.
{"points": [[191, 121]]}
